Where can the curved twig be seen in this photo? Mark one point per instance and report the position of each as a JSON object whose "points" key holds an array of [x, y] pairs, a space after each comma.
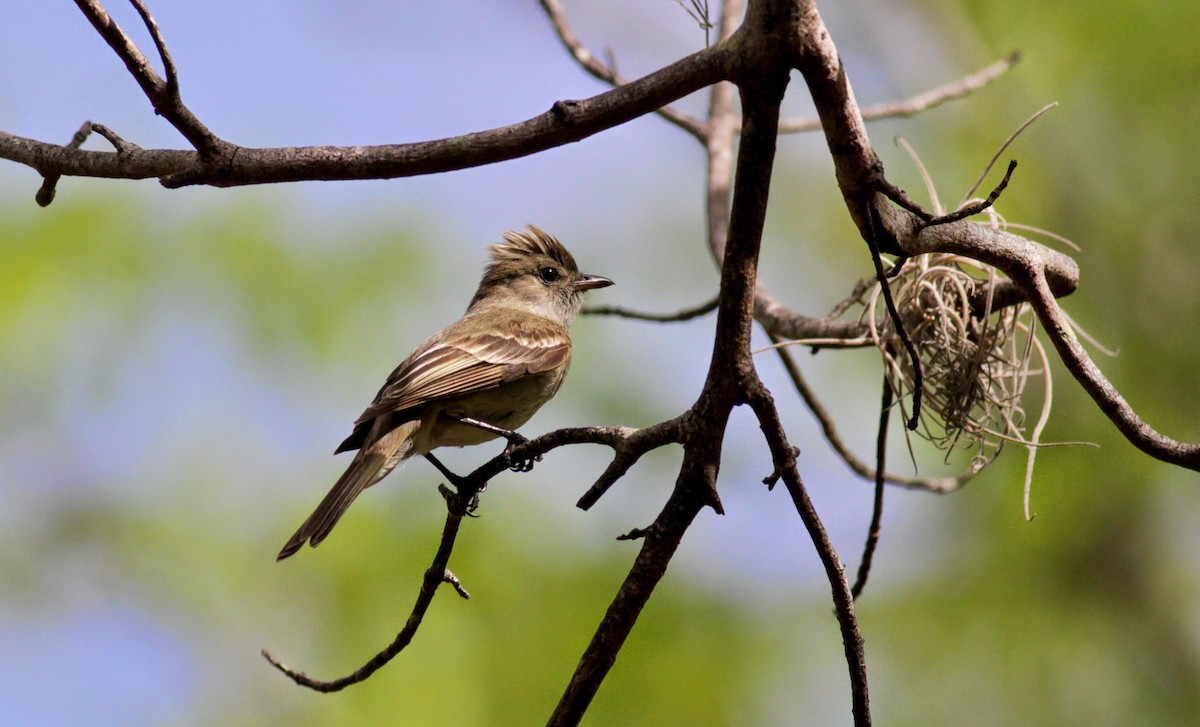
{"points": [[922, 102], [436, 575], [628, 446], [1041, 296], [876, 526], [608, 72]]}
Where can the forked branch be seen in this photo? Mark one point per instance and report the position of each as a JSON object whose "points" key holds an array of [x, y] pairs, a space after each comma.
{"points": [[628, 446]]}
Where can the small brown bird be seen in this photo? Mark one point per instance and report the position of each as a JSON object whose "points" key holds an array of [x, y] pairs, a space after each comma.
{"points": [[479, 378]]}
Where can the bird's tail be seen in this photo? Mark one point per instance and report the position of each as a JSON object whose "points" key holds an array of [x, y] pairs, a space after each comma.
{"points": [[370, 465]]}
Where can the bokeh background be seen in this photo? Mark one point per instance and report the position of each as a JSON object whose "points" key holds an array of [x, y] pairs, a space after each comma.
{"points": [[177, 367]]}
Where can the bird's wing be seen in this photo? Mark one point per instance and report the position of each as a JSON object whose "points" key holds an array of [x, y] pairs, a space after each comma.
{"points": [[459, 361]]}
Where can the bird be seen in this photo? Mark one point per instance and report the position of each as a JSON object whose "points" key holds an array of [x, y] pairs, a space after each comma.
{"points": [[479, 378]]}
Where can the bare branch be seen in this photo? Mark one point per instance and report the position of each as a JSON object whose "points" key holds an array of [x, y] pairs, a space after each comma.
{"points": [[971, 210], [722, 123], [876, 526], [1009, 253], [922, 102], [163, 95], [137, 64], [160, 44], [434, 577], [659, 543], [565, 122], [686, 314], [627, 451], [122, 146], [608, 73], [731, 371], [784, 322], [782, 453], [1085, 371], [45, 194], [897, 322], [456, 584], [628, 445]]}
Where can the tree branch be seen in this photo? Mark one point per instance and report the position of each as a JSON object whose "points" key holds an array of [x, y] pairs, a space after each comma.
{"points": [[731, 370], [607, 73], [565, 122], [784, 460], [685, 314], [437, 574], [876, 526], [163, 94], [1079, 363], [922, 102]]}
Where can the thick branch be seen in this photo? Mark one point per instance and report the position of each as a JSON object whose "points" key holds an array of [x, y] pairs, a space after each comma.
{"points": [[565, 122], [730, 371], [856, 166], [660, 542]]}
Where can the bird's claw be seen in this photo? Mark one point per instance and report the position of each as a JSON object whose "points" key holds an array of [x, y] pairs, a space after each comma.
{"points": [[472, 505], [519, 465]]}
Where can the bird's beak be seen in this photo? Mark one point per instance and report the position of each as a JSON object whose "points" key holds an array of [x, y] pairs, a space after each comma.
{"points": [[589, 282]]}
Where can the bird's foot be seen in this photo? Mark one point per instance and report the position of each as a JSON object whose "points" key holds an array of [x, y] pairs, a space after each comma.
{"points": [[514, 440], [518, 465], [466, 492]]}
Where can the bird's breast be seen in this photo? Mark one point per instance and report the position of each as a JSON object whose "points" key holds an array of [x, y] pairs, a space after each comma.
{"points": [[507, 406]]}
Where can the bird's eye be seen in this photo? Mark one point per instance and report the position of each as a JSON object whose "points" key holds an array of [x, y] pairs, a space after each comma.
{"points": [[549, 275]]}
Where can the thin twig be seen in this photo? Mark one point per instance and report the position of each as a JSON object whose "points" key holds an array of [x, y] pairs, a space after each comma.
{"points": [[45, 194], [686, 314], [456, 584], [876, 526], [121, 145], [434, 577], [900, 197], [973, 209], [172, 81], [921, 102], [783, 456], [608, 73], [897, 322], [628, 445], [163, 94]]}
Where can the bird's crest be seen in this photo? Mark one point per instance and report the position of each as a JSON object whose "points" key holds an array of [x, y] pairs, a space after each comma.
{"points": [[518, 245]]}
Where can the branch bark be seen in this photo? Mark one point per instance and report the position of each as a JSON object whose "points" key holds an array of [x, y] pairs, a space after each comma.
{"points": [[565, 122]]}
